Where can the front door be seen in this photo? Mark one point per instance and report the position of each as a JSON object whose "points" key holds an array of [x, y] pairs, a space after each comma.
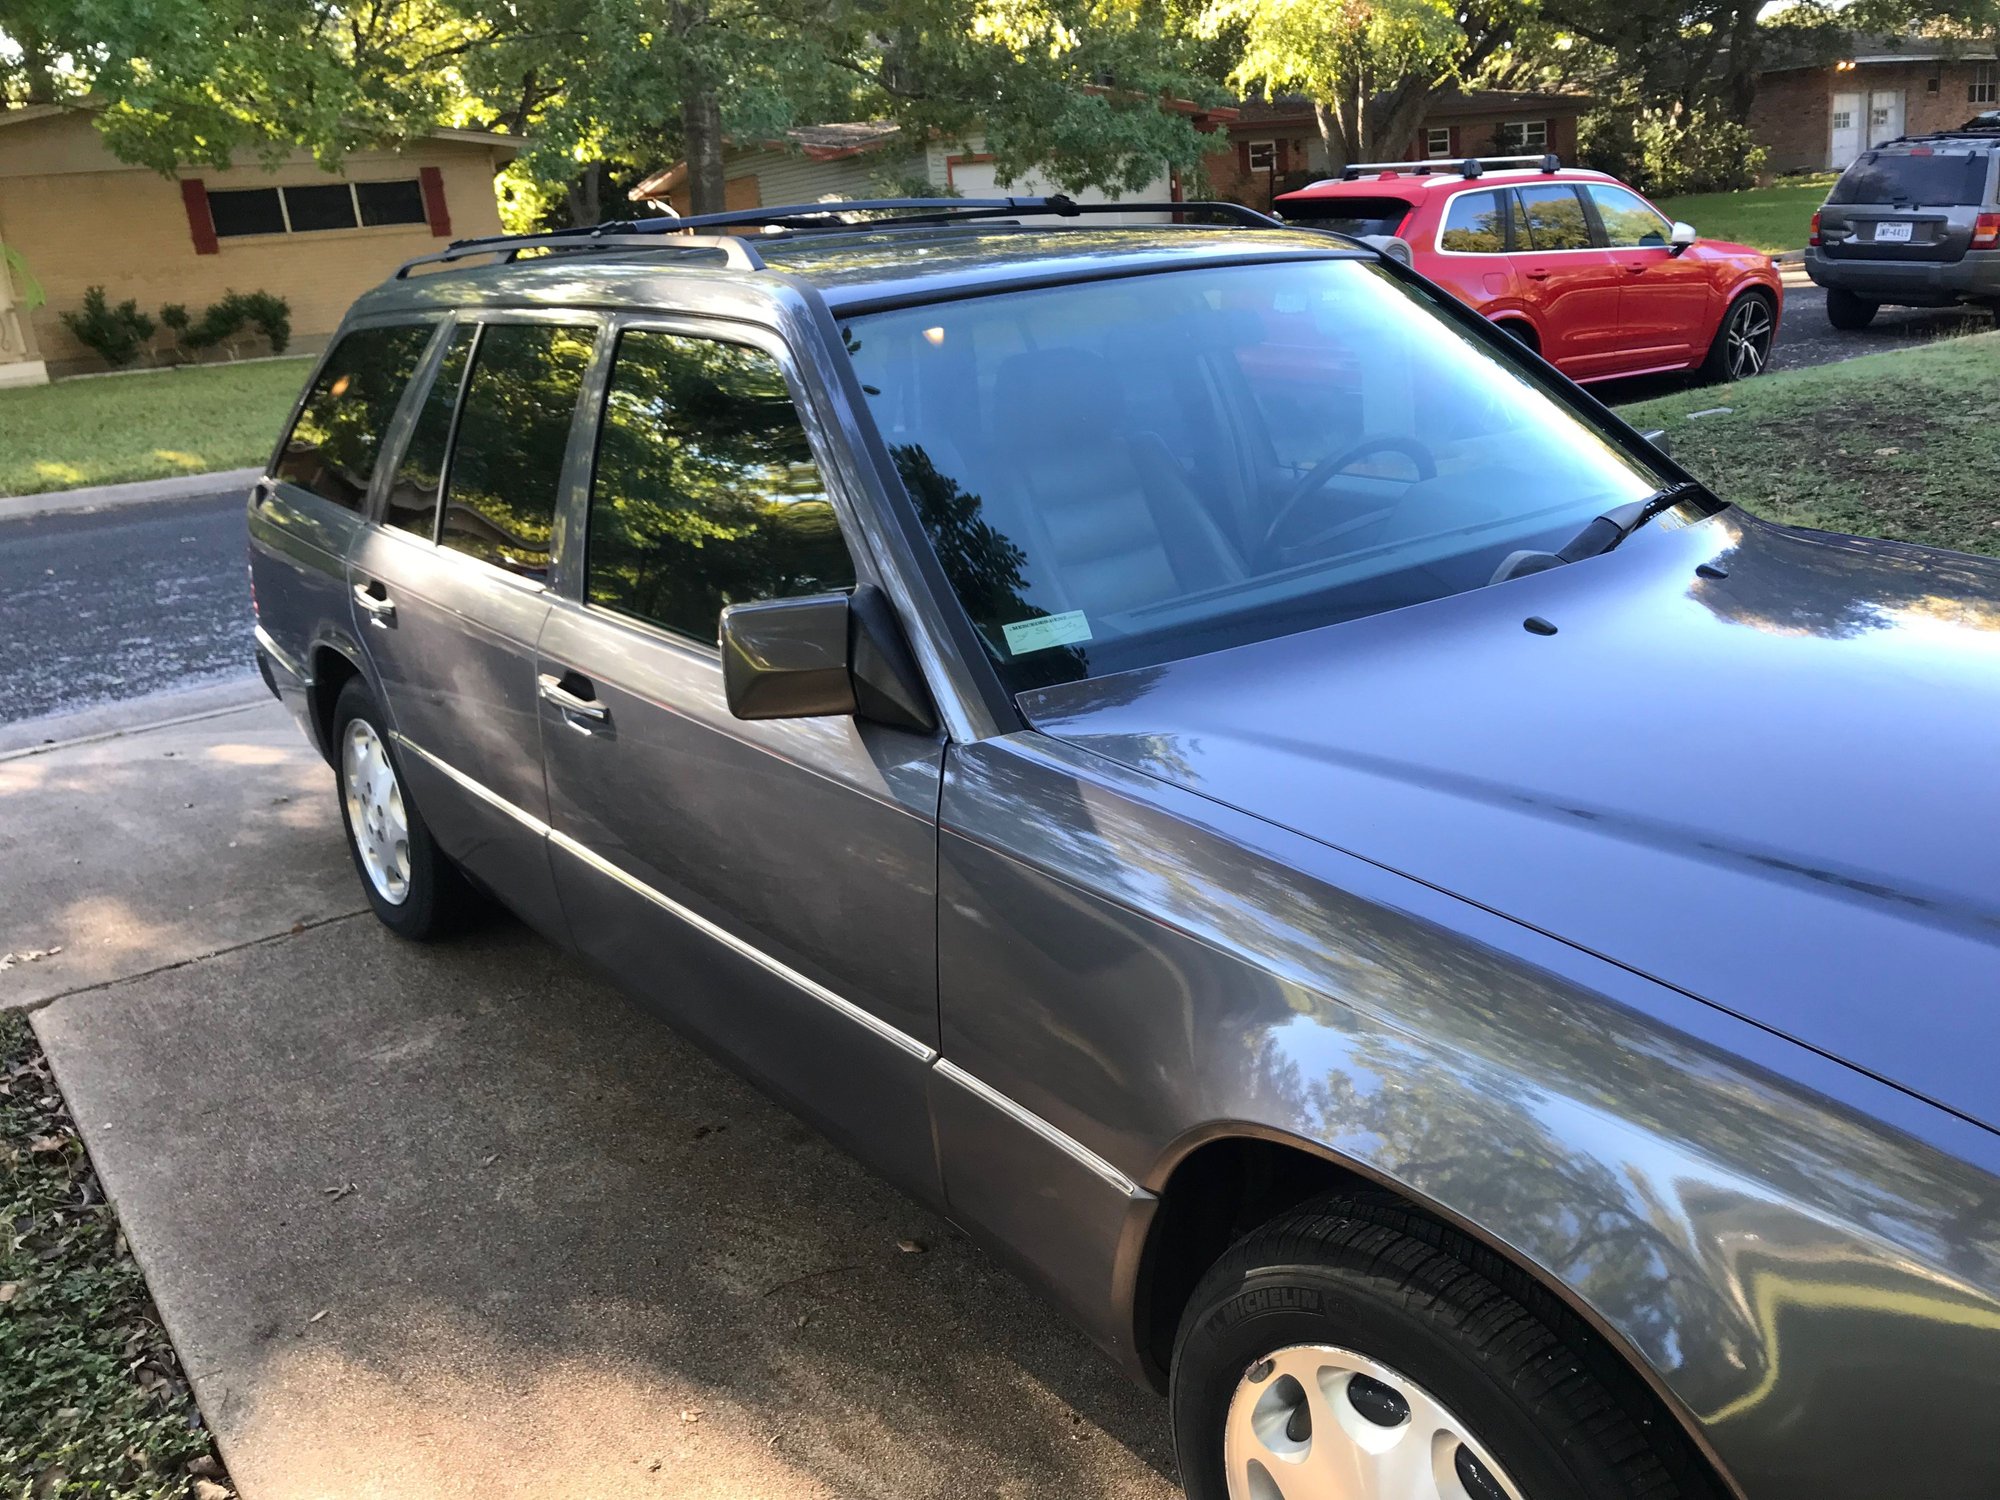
{"points": [[1845, 131], [1885, 115], [450, 596], [771, 885], [1572, 283], [1663, 304]]}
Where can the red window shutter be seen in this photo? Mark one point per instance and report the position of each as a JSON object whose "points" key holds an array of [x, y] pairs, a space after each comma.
{"points": [[201, 223], [1243, 157], [1456, 148], [432, 181]]}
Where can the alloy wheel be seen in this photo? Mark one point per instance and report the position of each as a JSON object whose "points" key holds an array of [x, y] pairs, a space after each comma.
{"points": [[1749, 338], [1313, 1422], [375, 816]]}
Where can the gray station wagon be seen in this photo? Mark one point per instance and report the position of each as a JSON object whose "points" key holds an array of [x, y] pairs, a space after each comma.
{"points": [[1467, 961]]}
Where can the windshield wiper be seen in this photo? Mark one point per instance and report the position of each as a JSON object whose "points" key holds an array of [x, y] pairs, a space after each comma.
{"points": [[1611, 528], [1600, 536]]}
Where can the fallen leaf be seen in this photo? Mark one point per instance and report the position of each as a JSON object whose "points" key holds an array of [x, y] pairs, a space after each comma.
{"points": [[335, 1194], [297, 928], [45, 1144], [15, 956], [1887, 452], [9, 1290], [208, 1466], [317, 1316], [690, 1416], [208, 1489], [488, 1161], [910, 1247]]}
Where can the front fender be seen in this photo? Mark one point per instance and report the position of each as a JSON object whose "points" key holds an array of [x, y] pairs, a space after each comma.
{"points": [[1790, 1251]]}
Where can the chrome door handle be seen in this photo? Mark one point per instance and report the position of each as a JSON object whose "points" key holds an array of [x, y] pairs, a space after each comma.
{"points": [[381, 612], [554, 692]]}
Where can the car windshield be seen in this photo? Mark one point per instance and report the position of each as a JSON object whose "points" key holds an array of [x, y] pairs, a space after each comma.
{"points": [[1122, 472], [1894, 177], [1348, 215]]}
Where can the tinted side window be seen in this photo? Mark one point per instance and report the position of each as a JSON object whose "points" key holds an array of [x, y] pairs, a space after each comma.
{"points": [[413, 494], [1473, 224], [500, 496], [1555, 218], [332, 447], [1628, 223], [705, 492]]}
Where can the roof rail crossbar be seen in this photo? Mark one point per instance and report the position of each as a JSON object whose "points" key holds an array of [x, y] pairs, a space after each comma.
{"points": [[672, 234], [735, 252], [914, 211], [1470, 166]]}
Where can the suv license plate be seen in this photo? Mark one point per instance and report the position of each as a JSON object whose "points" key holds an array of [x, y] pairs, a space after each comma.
{"points": [[1892, 231]]}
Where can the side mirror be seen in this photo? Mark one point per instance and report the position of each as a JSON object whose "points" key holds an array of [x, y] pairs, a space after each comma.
{"points": [[1683, 235], [821, 656]]}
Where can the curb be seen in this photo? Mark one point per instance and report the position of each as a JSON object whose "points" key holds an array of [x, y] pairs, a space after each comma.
{"points": [[113, 496], [128, 716]]}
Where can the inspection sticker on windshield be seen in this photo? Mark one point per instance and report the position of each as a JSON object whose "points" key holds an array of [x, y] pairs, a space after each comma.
{"points": [[1024, 636]]}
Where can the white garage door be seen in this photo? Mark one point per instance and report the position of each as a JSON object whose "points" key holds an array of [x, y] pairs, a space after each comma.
{"points": [[974, 179]]}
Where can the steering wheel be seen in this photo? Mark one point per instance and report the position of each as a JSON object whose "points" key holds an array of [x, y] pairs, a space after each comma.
{"points": [[1334, 463]]}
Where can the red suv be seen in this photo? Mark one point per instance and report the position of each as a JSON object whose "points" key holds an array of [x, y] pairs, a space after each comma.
{"points": [[1576, 264]]}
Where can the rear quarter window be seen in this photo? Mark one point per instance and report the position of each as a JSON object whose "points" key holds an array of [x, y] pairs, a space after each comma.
{"points": [[1474, 224], [1914, 181], [332, 447], [1345, 215]]}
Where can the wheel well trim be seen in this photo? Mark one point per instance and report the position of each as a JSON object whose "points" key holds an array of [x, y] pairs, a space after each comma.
{"points": [[337, 644], [1159, 1177]]}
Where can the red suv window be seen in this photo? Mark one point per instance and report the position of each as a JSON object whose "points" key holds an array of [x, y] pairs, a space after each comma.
{"points": [[1350, 215]]}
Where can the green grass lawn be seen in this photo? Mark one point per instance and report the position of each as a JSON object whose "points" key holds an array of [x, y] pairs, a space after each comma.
{"points": [[93, 1401], [1903, 445], [146, 426], [1772, 218]]}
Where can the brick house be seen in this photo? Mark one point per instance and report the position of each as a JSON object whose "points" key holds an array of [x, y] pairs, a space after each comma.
{"points": [[73, 216], [1819, 114], [1275, 144]]}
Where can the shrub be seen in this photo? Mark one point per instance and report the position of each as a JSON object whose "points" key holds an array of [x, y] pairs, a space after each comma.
{"points": [[1673, 150], [226, 320], [117, 334]]}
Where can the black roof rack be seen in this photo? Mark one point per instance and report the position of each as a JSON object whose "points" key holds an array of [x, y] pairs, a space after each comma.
{"points": [[686, 236], [1470, 166]]}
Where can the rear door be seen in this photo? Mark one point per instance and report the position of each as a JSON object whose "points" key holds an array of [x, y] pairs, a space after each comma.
{"points": [[770, 885], [310, 507], [1667, 303], [1570, 281], [451, 591], [1471, 258]]}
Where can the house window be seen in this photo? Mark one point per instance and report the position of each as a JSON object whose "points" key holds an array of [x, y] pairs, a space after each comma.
{"points": [[1843, 119], [1519, 136], [1985, 85], [304, 208], [1437, 141], [1263, 156]]}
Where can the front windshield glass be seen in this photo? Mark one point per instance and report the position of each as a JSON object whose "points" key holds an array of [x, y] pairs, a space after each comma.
{"points": [[1123, 472]]}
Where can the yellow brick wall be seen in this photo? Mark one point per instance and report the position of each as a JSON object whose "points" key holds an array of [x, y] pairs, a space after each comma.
{"points": [[81, 218]]}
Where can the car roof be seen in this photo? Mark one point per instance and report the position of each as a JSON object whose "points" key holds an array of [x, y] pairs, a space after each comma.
{"points": [[1447, 176], [851, 267]]}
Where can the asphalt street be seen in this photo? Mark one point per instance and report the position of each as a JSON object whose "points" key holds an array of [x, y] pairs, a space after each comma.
{"points": [[100, 606], [1806, 338]]}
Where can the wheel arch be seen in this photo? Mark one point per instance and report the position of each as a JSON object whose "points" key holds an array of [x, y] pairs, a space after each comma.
{"points": [[1521, 326], [332, 663], [1222, 1180]]}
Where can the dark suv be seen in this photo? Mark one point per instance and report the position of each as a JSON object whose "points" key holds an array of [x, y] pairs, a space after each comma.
{"points": [[1463, 958], [1915, 222]]}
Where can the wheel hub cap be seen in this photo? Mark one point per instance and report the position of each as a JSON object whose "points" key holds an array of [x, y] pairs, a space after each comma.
{"points": [[1312, 1422], [1749, 339], [375, 816]]}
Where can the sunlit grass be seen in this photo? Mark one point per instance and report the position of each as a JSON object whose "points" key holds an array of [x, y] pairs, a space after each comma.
{"points": [[1903, 445], [1773, 218], [145, 426]]}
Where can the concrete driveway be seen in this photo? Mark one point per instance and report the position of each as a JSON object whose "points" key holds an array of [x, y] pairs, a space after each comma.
{"points": [[462, 1220]]}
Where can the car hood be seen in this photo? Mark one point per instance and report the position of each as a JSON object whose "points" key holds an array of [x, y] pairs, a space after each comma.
{"points": [[1777, 790]]}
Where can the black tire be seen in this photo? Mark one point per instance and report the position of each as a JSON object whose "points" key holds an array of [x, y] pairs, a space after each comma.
{"points": [[1848, 312], [1720, 366], [1558, 1412], [437, 900], [1523, 333]]}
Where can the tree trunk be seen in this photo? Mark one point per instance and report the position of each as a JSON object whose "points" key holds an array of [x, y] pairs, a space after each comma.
{"points": [[701, 117], [1395, 117], [1740, 86], [1335, 138], [586, 202]]}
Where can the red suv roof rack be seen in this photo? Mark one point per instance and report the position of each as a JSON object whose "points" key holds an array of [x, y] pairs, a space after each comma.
{"points": [[1471, 166]]}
